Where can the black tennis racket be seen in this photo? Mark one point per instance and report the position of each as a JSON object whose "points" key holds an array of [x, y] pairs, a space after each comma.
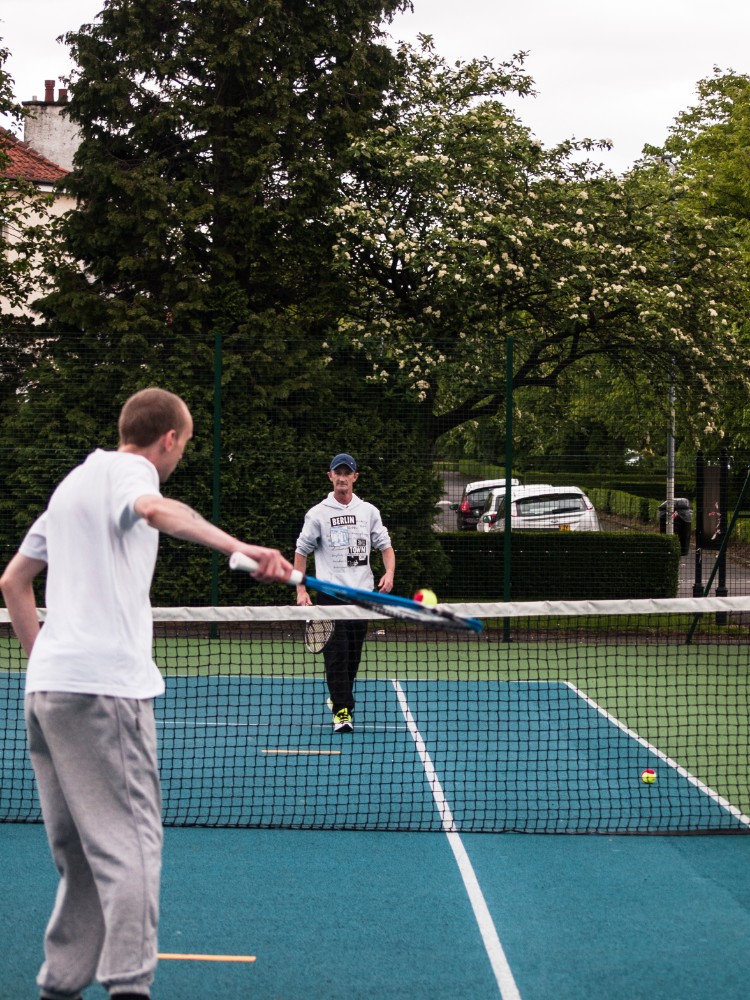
{"points": [[386, 604], [318, 632]]}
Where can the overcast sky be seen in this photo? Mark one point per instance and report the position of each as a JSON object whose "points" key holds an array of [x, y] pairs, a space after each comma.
{"points": [[603, 68]]}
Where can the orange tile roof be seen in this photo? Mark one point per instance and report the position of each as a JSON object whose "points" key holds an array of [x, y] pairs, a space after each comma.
{"points": [[25, 163]]}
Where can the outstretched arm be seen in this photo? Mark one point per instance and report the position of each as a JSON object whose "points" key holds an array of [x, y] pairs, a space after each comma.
{"points": [[172, 517]]}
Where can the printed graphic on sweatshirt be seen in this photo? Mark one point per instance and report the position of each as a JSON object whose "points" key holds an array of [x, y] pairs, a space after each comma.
{"points": [[340, 530], [358, 553], [340, 538]]}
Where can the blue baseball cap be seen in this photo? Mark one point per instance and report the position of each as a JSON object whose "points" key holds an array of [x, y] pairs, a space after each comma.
{"points": [[343, 459]]}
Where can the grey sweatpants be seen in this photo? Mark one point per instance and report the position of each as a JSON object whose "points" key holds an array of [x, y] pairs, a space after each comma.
{"points": [[95, 763]]}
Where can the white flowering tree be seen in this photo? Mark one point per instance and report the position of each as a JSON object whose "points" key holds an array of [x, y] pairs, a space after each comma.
{"points": [[457, 229], [707, 152]]}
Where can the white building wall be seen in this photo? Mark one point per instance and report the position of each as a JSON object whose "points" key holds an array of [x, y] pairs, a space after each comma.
{"points": [[61, 204]]}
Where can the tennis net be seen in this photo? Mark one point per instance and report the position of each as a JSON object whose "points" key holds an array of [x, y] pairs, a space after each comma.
{"points": [[544, 723]]}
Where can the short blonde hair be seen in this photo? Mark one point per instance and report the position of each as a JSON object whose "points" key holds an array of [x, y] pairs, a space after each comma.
{"points": [[149, 414]]}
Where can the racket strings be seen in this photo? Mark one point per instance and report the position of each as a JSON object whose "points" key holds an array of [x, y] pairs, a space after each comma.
{"points": [[317, 633]]}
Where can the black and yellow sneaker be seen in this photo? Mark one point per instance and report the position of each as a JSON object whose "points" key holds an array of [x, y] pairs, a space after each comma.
{"points": [[342, 721]]}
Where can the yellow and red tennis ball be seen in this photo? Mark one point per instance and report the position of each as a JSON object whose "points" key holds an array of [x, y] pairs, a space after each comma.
{"points": [[649, 776], [427, 597]]}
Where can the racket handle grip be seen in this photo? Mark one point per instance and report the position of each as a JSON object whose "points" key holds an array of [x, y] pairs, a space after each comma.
{"points": [[238, 560]]}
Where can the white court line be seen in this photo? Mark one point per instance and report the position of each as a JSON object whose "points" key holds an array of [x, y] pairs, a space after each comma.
{"points": [[493, 947], [683, 772]]}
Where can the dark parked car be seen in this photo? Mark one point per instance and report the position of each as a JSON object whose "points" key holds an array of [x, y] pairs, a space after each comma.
{"points": [[471, 507]]}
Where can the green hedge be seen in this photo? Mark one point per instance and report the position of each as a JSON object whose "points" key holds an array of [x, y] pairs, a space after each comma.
{"points": [[611, 501], [561, 566], [651, 487]]}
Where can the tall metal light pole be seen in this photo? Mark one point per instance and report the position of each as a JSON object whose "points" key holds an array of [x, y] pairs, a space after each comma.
{"points": [[671, 426]]}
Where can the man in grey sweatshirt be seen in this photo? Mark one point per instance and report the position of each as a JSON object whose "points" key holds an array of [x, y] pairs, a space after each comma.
{"points": [[341, 531]]}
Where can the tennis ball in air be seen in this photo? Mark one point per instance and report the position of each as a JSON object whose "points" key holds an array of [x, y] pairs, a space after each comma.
{"points": [[648, 776], [427, 597]]}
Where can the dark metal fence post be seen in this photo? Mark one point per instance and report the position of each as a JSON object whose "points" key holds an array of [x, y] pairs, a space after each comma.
{"points": [[700, 465], [507, 539], [721, 587], [216, 471]]}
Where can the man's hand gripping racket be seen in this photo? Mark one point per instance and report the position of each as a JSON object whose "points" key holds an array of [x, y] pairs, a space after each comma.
{"points": [[386, 604]]}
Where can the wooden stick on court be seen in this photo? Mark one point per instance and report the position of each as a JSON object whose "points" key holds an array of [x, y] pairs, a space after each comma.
{"points": [[208, 958]]}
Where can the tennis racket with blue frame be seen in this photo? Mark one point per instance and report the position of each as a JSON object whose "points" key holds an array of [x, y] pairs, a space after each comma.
{"points": [[401, 608]]}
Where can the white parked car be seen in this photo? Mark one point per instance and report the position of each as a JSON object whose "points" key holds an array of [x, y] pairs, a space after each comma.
{"points": [[544, 507]]}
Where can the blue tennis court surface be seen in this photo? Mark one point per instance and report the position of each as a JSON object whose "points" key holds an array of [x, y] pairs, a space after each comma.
{"points": [[422, 916], [385, 916], [509, 756], [516, 754]]}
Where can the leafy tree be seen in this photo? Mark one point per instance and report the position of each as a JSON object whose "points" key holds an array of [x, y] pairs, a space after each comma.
{"points": [[707, 146], [16, 206], [25, 242], [706, 154], [213, 138], [459, 229]]}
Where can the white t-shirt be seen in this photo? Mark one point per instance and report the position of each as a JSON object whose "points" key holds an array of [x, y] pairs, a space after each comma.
{"points": [[342, 537], [98, 633]]}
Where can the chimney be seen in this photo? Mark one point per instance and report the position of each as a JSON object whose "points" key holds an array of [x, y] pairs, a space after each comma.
{"points": [[47, 128]]}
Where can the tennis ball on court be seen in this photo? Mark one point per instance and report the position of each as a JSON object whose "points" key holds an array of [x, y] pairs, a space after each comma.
{"points": [[648, 776], [427, 597]]}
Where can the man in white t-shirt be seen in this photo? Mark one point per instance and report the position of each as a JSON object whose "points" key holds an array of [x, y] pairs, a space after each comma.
{"points": [[89, 688], [342, 530]]}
